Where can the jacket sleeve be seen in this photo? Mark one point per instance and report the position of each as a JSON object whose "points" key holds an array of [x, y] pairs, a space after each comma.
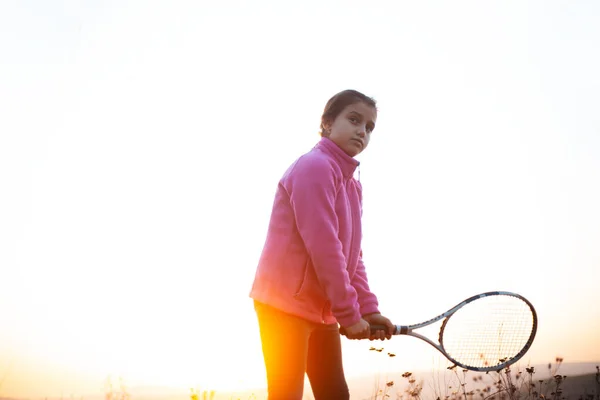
{"points": [[312, 186], [366, 299]]}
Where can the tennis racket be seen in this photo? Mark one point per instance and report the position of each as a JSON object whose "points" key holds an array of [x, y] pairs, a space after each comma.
{"points": [[486, 332]]}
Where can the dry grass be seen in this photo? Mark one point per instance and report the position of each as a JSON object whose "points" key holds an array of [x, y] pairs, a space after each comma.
{"points": [[116, 391], [511, 383], [508, 384]]}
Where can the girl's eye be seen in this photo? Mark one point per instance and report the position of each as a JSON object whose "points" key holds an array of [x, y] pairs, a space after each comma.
{"points": [[353, 119]]}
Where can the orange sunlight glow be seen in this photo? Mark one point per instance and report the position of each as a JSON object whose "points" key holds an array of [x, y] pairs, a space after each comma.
{"points": [[162, 355], [137, 175]]}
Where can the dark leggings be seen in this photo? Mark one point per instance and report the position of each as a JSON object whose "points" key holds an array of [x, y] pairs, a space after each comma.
{"points": [[292, 347]]}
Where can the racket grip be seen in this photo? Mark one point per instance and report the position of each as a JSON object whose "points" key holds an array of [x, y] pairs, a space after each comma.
{"points": [[374, 328]]}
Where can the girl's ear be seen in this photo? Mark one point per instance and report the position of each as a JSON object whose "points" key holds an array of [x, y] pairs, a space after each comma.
{"points": [[325, 129]]}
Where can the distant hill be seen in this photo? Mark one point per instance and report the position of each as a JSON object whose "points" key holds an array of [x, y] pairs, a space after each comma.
{"points": [[582, 386]]}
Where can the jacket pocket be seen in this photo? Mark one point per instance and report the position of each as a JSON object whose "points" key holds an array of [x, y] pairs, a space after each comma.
{"points": [[304, 280]]}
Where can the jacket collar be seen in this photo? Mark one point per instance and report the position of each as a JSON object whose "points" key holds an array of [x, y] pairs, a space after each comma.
{"points": [[347, 164]]}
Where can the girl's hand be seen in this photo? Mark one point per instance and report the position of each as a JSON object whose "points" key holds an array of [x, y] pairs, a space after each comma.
{"points": [[360, 330], [378, 319]]}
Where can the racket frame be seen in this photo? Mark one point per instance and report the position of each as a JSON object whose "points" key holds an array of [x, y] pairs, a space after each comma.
{"points": [[409, 331]]}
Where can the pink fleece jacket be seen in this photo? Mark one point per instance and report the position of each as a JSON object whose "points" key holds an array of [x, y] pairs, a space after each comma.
{"points": [[311, 265]]}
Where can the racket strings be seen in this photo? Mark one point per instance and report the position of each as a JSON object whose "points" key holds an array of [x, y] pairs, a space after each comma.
{"points": [[488, 332]]}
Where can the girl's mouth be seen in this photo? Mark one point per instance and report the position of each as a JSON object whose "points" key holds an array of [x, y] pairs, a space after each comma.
{"points": [[358, 141]]}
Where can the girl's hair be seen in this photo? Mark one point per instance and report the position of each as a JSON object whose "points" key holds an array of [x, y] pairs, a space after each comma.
{"points": [[337, 103]]}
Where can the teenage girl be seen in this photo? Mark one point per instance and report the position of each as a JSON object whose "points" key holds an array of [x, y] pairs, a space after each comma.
{"points": [[311, 276]]}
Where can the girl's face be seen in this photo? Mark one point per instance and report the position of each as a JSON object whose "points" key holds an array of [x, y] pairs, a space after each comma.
{"points": [[351, 130]]}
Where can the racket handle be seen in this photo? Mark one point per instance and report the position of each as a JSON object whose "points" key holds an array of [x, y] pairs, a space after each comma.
{"points": [[374, 328]]}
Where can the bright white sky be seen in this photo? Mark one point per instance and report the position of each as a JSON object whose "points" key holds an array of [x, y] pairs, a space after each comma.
{"points": [[141, 144]]}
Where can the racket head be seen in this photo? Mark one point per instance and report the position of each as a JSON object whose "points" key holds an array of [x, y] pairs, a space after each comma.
{"points": [[489, 331]]}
